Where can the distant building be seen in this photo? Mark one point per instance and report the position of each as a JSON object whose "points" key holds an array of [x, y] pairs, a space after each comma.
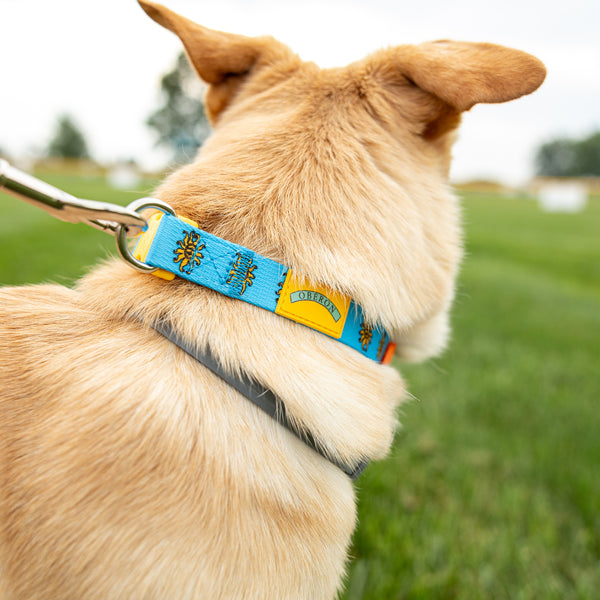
{"points": [[564, 194]]}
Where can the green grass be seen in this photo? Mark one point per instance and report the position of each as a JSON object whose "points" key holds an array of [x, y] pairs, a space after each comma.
{"points": [[492, 490]]}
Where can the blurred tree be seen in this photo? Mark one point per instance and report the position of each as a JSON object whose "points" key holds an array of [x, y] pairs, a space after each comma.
{"points": [[68, 140], [569, 158], [180, 122], [588, 151]]}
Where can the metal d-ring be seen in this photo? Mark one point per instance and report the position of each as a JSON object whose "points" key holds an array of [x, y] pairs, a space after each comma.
{"points": [[121, 232]]}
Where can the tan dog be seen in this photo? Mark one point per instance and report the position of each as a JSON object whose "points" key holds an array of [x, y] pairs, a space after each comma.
{"points": [[127, 470]]}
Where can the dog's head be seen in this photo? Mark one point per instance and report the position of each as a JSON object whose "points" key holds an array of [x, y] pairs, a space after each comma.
{"points": [[342, 173]]}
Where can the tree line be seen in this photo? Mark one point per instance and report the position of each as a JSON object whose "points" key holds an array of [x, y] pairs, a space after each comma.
{"points": [[566, 157]]}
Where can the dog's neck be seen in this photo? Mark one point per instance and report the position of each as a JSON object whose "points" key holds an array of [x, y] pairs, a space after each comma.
{"points": [[178, 248], [348, 222]]}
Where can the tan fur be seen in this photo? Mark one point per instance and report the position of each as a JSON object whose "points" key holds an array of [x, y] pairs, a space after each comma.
{"points": [[129, 471]]}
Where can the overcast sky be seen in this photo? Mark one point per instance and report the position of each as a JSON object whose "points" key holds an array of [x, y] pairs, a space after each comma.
{"points": [[102, 61]]}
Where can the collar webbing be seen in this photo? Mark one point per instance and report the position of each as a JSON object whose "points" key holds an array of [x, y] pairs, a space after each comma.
{"points": [[177, 247], [261, 396]]}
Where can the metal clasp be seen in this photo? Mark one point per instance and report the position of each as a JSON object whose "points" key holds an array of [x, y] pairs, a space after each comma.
{"points": [[119, 220], [63, 206]]}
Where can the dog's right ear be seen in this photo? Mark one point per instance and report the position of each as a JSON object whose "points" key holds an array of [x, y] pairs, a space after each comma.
{"points": [[223, 60], [463, 74], [460, 75]]}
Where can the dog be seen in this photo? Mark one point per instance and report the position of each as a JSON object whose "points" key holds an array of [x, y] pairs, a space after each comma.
{"points": [[128, 469]]}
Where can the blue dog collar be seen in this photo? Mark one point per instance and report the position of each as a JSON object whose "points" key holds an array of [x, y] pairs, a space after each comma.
{"points": [[178, 247]]}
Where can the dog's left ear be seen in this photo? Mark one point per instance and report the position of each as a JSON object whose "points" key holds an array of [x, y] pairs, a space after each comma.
{"points": [[223, 60]]}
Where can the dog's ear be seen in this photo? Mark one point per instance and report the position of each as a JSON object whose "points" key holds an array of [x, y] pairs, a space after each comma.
{"points": [[463, 74], [221, 59], [460, 74]]}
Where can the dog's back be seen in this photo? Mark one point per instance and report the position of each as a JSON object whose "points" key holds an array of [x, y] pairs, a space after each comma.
{"points": [[130, 471]]}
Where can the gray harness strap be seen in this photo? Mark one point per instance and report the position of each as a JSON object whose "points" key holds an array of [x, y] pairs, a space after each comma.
{"points": [[262, 397]]}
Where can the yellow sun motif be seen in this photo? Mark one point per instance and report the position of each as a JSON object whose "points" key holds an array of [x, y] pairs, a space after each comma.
{"points": [[188, 254]]}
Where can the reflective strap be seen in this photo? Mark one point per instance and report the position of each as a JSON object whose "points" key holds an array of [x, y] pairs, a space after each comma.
{"points": [[262, 397]]}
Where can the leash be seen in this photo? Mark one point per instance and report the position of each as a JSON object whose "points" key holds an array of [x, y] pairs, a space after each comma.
{"points": [[169, 246]]}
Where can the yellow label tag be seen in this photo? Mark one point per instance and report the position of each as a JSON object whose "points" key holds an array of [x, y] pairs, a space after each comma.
{"points": [[317, 307], [145, 241]]}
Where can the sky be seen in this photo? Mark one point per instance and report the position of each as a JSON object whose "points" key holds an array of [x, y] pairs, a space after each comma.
{"points": [[102, 61]]}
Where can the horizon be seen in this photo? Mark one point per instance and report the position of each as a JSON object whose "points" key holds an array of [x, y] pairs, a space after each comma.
{"points": [[110, 84]]}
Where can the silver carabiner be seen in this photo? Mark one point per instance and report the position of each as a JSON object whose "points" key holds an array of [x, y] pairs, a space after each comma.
{"points": [[63, 206], [122, 221]]}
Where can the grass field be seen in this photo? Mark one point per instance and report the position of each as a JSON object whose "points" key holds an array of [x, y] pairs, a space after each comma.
{"points": [[493, 487]]}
